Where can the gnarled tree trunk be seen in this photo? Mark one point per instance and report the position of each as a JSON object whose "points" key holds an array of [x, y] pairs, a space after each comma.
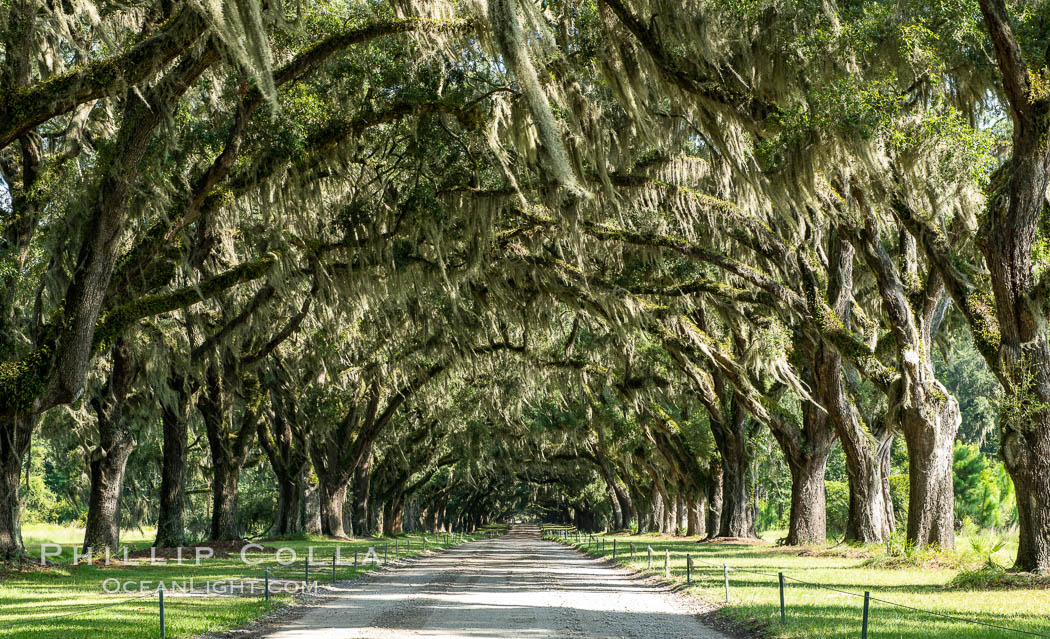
{"points": [[714, 500], [696, 524], [110, 457], [102, 529], [867, 453], [393, 512], [15, 435], [333, 497], [737, 518], [929, 431], [806, 455], [312, 509], [289, 504], [1015, 210], [225, 492], [927, 414], [808, 519], [362, 494], [171, 523], [284, 441]]}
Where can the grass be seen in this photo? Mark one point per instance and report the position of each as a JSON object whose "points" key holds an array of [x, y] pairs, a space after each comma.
{"points": [[68, 601], [816, 612]]}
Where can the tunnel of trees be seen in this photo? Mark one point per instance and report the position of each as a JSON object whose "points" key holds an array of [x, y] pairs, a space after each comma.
{"points": [[360, 267]]}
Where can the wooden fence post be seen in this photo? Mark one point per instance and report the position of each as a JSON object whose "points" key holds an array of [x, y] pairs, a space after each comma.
{"points": [[864, 622]]}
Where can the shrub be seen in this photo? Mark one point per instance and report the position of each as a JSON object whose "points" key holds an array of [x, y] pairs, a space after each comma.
{"points": [[983, 489], [985, 547], [993, 577], [39, 504], [899, 490], [837, 506]]}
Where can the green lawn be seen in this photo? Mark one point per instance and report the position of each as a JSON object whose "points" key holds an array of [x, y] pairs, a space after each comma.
{"points": [[39, 604], [815, 613]]}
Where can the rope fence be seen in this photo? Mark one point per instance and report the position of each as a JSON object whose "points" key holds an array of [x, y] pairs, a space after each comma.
{"points": [[590, 543], [291, 572]]}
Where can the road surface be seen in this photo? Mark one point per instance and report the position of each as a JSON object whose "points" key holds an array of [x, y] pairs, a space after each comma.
{"points": [[513, 586]]}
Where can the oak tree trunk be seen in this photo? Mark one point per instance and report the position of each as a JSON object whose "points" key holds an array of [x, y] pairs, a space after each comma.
{"points": [[225, 489], [110, 456], [102, 529], [870, 507], [312, 509], [867, 452], [714, 500], [332, 499], [362, 494], [929, 431], [289, 503], [696, 525], [1027, 456], [736, 516], [617, 512], [171, 524], [15, 434]]}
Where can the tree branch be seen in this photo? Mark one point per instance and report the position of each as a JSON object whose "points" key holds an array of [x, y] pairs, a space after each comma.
{"points": [[26, 108]]}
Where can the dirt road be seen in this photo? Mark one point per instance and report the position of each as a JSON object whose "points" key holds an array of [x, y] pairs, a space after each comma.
{"points": [[510, 587]]}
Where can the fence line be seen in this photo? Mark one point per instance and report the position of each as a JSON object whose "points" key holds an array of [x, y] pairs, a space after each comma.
{"points": [[83, 611], [726, 567]]}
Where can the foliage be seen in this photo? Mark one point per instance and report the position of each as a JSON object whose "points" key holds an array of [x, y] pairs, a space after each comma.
{"points": [[838, 506], [964, 372], [983, 491], [985, 547]]}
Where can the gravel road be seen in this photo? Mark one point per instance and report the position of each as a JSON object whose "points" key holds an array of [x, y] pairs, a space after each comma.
{"points": [[509, 587]]}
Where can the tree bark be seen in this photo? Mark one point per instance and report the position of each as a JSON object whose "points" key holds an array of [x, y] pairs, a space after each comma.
{"points": [[102, 529], [14, 443], [927, 414], [333, 497], [229, 447], [806, 454], [808, 517], [362, 494], [696, 525], [171, 524], [289, 503], [225, 492], [1014, 213], [312, 509], [929, 431], [393, 512], [714, 500], [737, 518], [110, 457], [867, 462], [285, 444], [866, 446], [671, 515]]}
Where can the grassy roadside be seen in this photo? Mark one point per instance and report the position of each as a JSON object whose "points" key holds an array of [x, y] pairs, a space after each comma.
{"points": [[69, 601], [816, 613]]}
